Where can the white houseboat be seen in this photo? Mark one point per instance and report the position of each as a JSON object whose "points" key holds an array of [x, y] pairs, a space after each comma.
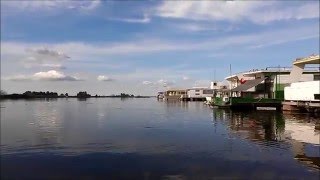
{"points": [[301, 94]]}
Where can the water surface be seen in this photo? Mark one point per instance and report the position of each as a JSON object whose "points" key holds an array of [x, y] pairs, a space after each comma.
{"points": [[113, 138]]}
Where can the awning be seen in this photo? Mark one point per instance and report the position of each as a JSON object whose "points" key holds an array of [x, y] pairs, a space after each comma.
{"points": [[248, 84]]}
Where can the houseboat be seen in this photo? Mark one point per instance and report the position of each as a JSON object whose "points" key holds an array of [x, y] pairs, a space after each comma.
{"points": [[174, 94], [197, 94], [303, 95], [261, 88]]}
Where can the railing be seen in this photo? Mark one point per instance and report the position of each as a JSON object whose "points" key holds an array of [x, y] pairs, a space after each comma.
{"points": [[237, 100]]}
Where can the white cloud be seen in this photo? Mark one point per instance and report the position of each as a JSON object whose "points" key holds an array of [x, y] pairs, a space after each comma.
{"points": [[144, 20], [58, 66], [36, 57], [185, 78], [51, 75], [47, 53], [18, 78], [195, 27], [254, 11], [45, 5], [147, 83], [165, 83], [104, 78], [80, 50], [93, 5], [161, 83]]}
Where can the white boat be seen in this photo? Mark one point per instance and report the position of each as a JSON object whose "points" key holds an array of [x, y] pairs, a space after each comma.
{"points": [[306, 94]]}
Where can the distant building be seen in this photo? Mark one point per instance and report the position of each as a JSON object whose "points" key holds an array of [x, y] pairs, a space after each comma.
{"points": [[160, 95], [199, 92], [174, 94]]}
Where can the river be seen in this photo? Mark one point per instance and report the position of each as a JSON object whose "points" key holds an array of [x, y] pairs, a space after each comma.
{"points": [[142, 138]]}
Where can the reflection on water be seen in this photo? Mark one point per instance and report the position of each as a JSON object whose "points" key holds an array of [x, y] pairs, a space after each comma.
{"points": [[156, 139], [298, 131]]}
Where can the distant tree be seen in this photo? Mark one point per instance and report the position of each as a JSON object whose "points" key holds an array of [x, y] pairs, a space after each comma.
{"points": [[29, 93], [66, 94], [83, 94], [2, 92]]}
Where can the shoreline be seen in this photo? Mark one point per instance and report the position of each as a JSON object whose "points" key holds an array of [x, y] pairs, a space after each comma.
{"points": [[16, 97]]}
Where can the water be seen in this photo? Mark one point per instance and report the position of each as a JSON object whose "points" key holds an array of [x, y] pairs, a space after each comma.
{"points": [[112, 138]]}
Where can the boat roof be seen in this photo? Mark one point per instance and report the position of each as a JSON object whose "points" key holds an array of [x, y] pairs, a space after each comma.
{"points": [[277, 72], [312, 59], [248, 84], [256, 71], [198, 88], [176, 90]]}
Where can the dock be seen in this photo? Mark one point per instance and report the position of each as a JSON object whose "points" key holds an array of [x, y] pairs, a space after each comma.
{"points": [[240, 103], [193, 99], [308, 106]]}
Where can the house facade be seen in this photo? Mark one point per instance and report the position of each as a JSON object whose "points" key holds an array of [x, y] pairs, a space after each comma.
{"points": [[265, 83], [199, 92], [174, 94]]}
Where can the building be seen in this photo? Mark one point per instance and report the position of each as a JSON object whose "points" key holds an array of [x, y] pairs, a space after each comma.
{"points": [[199, 93], [303, 94], [220, 90], [265, 83], [160, 95], [174, 94]]}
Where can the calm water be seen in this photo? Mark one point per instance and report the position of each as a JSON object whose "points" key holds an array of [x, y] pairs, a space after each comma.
{"points": [[149, 139]]}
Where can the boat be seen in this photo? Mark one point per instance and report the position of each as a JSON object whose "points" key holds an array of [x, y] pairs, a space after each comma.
{"points": [[303, 95]]}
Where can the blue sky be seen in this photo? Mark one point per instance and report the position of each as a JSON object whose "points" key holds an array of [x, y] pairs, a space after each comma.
{"points": [[142, 47]]}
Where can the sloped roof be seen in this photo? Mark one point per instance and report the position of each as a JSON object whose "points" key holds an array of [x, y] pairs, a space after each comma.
{"points": [[313, 59], [248, 84]]}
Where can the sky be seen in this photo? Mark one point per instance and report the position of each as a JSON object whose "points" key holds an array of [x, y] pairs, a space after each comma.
{"points": [[142, 47]]}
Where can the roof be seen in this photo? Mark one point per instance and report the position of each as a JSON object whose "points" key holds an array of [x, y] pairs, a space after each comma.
{"points": [[175, 90], [313, 59], [252, 73], [198, 88], [222, 90], [266, 71], [248, 84], [235, 76]]}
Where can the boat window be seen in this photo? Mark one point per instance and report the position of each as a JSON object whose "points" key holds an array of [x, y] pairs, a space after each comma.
{"points": [[316, 77]]}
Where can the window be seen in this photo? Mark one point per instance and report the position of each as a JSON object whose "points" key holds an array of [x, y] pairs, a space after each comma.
{"points": [[316, 77], [197, 90], [207, 91], [197, 94], [317, 96], [215, 84]]}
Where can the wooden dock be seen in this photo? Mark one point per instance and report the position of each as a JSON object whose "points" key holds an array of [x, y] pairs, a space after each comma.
{"points": [[309, 106], [193, 99]]}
